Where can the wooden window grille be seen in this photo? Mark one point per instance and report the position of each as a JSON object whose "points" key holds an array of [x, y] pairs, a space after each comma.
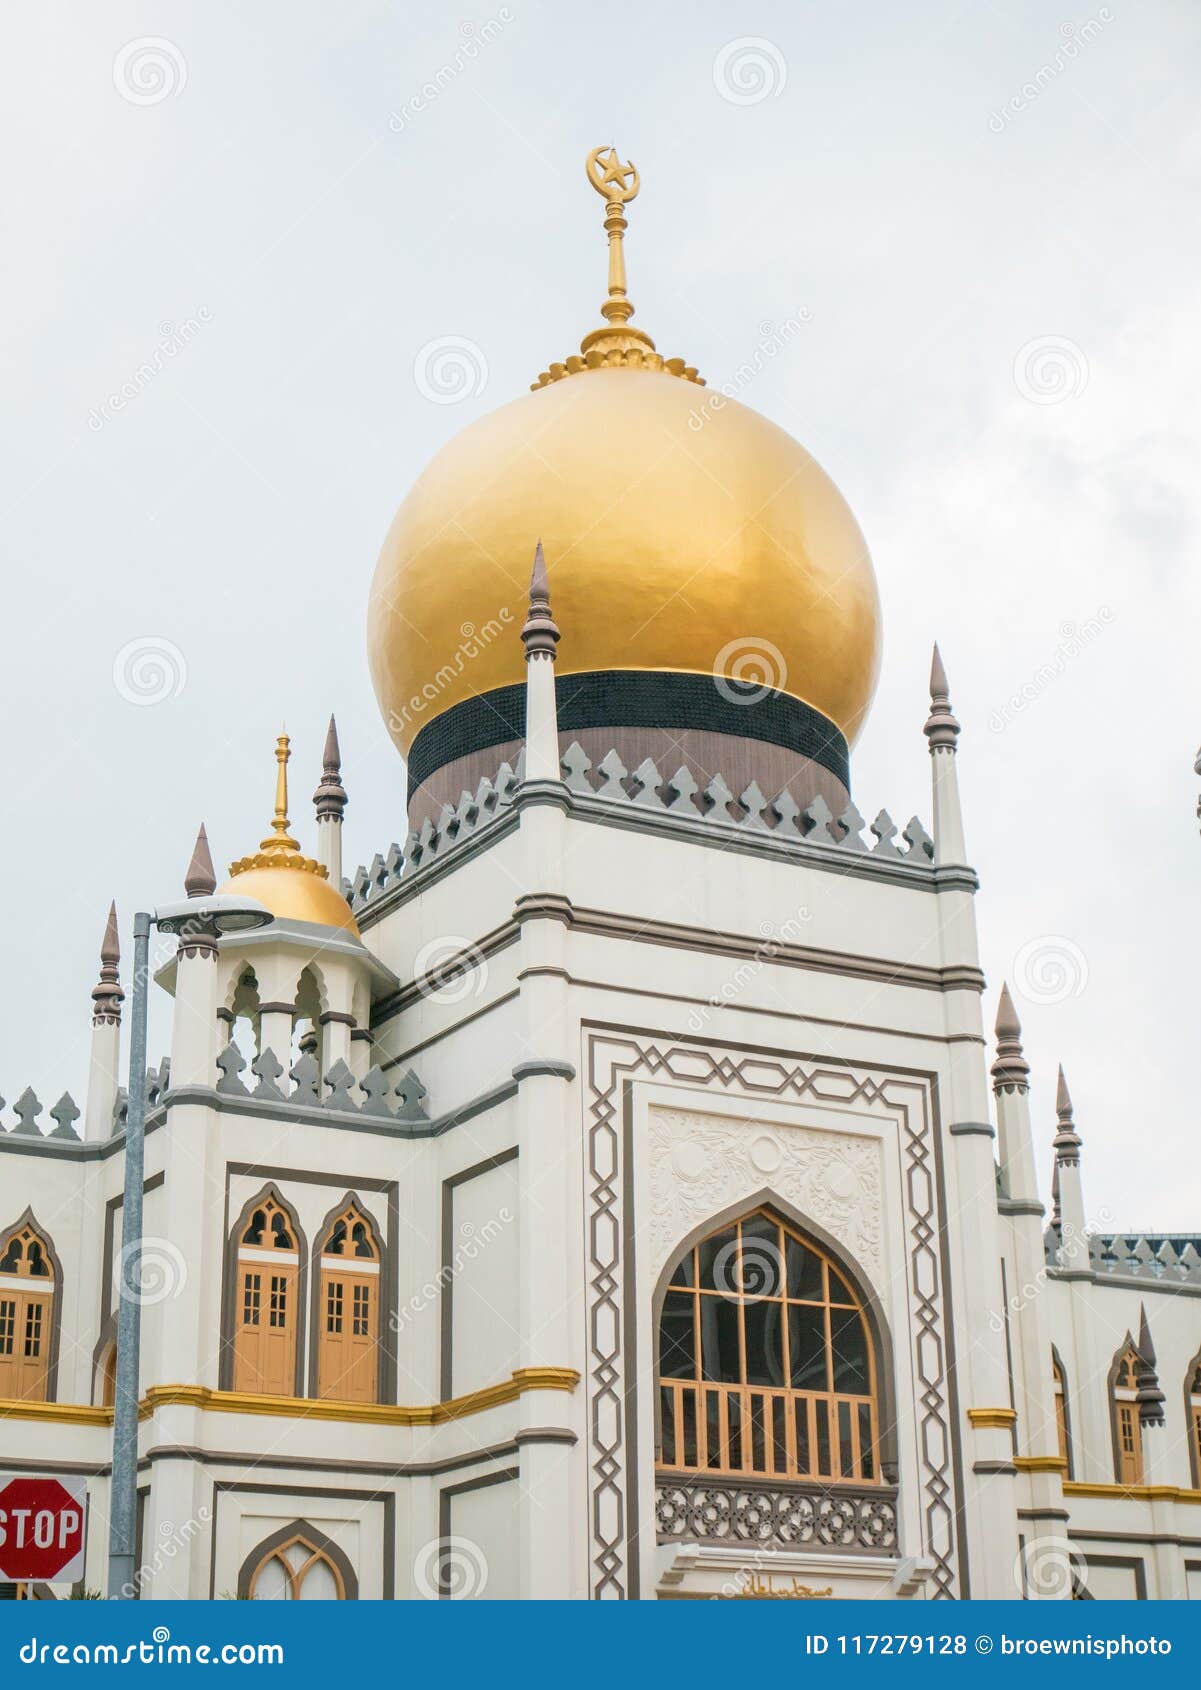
{"points": [[766, 1363]]}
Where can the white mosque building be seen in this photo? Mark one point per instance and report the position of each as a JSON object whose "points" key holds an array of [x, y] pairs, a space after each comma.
{"points": [[613, 1192]]}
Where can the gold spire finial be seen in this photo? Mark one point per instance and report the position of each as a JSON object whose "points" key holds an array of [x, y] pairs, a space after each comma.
{"points": [[618, 184], [279, 849], [617, 344], [279, 839]]}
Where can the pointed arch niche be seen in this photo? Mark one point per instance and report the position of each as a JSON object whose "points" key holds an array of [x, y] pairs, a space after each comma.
{"points": [[263, 1337], [30, 1306], [297, 1563], [772, 1356], [1192, 1417], [348, 1284], [1124, 1417]]}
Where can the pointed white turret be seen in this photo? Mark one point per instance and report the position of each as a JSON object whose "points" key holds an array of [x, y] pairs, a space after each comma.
{"points": [[540, 636], [104, 1066], [194, 1025], [1011, 1087], [1070, 1194], [942, 731], [330, 800]]}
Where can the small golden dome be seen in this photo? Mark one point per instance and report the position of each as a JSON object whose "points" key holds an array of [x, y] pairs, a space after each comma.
{"points": [[292, 886], [684, 532]]}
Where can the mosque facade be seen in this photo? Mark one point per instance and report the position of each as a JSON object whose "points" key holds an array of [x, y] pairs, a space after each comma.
{"points": [[611, 1192]]}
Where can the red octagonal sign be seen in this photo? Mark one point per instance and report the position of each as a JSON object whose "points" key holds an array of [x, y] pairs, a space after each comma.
{"points": [[42, 1528]]}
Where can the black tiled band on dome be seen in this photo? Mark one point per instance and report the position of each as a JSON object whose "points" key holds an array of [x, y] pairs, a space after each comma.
{"points": [[633, 698]]}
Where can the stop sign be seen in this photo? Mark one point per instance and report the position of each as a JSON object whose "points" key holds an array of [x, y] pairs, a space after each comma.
{"points": [[42, 1528]]}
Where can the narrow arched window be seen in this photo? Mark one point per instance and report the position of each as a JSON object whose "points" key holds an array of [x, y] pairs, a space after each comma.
{"points": [[27, 1287], [266, 1309], [766, 1363], [1194, 1420], [1128, 1432], [348, 1309], [297, 1571], [1060, 1386]]}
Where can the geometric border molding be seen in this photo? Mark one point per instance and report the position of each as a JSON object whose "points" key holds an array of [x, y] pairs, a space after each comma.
{"points": [[613, 1060]]}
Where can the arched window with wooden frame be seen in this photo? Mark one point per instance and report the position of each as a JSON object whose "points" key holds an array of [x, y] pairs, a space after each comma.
{"points": [[766, 1360], [298, 1563], [267, 1291], [1063, 1428], [347, 1312], [30, 1292], [1192, 1415], [1127, 1428]]}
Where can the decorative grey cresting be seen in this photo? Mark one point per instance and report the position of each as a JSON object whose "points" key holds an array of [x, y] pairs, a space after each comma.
{"points": [[645, 795]]}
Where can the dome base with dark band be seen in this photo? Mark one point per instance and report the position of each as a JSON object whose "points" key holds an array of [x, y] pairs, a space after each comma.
{"points": [[710, 726]]}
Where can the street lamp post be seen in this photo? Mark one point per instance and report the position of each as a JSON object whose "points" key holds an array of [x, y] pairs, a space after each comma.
{"points": [[211, 916]]}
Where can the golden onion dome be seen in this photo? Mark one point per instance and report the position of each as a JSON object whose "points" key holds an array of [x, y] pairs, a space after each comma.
{"points": [[684, 533], [292, 886]]}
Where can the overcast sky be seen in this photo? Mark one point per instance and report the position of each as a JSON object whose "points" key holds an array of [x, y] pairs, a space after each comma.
{"points": [[985, 217]]}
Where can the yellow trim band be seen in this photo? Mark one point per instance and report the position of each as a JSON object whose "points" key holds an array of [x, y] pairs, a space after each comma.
{"points": [[304, 1408], [992, 1416], [1134, 1493], [1040, 1463]]}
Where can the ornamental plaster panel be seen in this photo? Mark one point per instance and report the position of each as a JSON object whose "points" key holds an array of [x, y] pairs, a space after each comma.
{"points": [[702, 1164]]}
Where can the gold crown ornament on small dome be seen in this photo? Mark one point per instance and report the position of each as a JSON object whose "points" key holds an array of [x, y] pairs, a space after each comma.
{"points": [[292, 886], [616, 345], [279, 849]]}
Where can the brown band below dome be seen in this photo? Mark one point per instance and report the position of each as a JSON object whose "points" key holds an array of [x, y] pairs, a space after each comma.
{"points": [[729, 728]]}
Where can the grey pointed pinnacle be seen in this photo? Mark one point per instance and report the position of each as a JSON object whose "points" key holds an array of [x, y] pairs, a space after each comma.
{"points": [[1011, 1071], [330, 797], [65, 1113], [942, 730], [200, 880], [540, 634], [1150, 1396], [1067, 1141], [107, 995]]}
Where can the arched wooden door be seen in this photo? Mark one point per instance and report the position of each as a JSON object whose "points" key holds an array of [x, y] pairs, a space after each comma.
{"points": [[267, 1303], [348, 1322], [26, 1311]]}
